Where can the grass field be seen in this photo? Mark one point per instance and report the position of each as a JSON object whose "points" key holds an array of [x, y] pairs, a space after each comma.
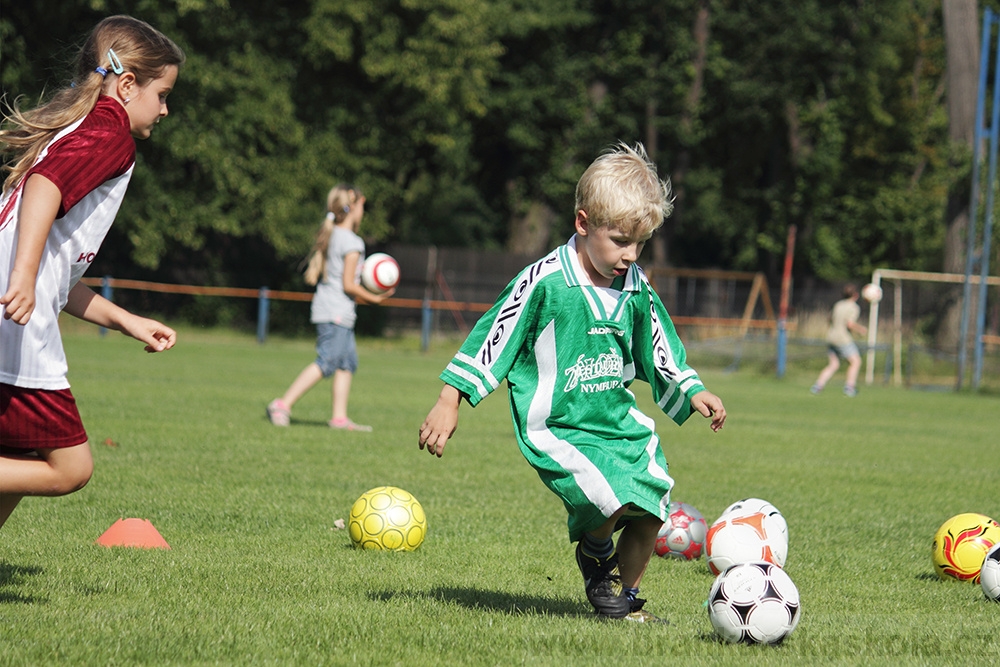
{"points": [[258, 573]]}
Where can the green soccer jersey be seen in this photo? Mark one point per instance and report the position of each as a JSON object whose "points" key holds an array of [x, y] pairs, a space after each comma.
{"points": [[569, 352]]}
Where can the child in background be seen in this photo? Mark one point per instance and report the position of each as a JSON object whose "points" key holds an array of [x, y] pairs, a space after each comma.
{"points": [[843, 322], [70, 161], [335, 268], [570, 334]]}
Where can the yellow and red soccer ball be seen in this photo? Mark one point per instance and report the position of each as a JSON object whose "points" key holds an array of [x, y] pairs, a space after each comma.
{"points": [[387, 518], [961, 544]]}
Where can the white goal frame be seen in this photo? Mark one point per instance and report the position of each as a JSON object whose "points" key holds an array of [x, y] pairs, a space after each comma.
{"points": [[898, 278]]}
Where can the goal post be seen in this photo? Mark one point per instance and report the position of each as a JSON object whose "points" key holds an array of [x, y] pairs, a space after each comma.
{"points": [[898, 278]]}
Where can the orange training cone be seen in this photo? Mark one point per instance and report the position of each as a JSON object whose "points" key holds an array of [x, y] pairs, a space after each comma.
{"points": [[133, 533]]}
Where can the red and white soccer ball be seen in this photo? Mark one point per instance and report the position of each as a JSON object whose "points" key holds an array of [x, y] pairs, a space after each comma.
{"points": [[379, 273], [683, 533], [744, 534], [754, 603], [871, 293]]}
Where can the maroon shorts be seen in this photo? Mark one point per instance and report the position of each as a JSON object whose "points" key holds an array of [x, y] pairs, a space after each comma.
{"points": [[39, 419]]}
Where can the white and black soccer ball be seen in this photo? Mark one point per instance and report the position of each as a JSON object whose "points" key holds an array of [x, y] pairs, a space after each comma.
{"points": [[989, 575], [754, 603]]}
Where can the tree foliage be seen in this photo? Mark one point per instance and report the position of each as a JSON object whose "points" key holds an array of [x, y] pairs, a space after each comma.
{"points": [[461, 118]]}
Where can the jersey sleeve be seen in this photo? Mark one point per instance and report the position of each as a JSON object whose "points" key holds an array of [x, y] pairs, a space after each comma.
{"points": [[661, 360], [493, 346]]}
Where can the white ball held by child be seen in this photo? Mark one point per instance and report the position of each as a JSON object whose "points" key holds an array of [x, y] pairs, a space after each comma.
{"points": [[380, 273]]}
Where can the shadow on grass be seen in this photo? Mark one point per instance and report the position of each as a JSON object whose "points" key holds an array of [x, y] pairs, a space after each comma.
{"points": [[12, 575], [477, 598]]}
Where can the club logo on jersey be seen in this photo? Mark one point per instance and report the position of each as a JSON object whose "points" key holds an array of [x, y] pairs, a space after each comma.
{"points": [[601, 331], [607, 365]]}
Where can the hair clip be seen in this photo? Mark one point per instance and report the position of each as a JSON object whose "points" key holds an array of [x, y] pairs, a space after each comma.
{"points": [[116, 64], [330, 216], [347, 209]]}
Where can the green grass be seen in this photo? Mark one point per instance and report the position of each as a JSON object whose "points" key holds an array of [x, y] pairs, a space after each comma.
{"points": [[258, 573]]}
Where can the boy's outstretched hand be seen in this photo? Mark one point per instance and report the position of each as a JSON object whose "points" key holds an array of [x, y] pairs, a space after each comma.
{"points": [[710, 405], [441, 421]]}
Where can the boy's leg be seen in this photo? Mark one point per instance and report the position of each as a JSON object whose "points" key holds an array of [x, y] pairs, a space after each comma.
{"points": [[635, 548], [601, 575], [853, 369], [824, 375]]}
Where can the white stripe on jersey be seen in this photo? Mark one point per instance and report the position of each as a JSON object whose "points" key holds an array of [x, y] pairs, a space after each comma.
{"points": [[487, 375], [653, 467], [585, 473], [471, 377]]}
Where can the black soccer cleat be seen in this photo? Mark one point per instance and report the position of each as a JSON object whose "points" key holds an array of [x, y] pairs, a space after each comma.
{"points": [[603, 583]]}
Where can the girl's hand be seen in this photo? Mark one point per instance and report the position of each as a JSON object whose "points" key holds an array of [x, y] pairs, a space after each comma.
{"points": [[19, 300], [157, 336]]}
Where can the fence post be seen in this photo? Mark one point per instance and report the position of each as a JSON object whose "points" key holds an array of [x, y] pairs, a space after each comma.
{"points": [[107, 294], [426, 313], [263, 307]]}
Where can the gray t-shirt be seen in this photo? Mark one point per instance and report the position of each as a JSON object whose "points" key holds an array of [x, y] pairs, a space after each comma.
{"points": [[330, 304]]}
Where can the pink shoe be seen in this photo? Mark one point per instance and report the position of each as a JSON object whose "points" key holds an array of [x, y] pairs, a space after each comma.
{"points": [[346, 424], [279, 413]]}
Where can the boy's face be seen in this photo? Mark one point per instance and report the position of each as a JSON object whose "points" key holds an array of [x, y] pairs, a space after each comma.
{"points": [[605, 252]]}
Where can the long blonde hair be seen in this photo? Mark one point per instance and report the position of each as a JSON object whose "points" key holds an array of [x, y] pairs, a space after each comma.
{"points": [[116, 44], [338, 204]]}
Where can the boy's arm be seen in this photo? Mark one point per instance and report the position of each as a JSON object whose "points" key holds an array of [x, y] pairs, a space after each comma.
{"points": [[39, 205], [89, 306], [441, 421]]}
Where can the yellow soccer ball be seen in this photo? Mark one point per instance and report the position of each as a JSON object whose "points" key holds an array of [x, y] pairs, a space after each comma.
{"points": [[961, 545], [387, 518]]}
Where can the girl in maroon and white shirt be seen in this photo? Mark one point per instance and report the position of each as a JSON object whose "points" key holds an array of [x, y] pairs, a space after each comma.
{"points": [[62, 194]]}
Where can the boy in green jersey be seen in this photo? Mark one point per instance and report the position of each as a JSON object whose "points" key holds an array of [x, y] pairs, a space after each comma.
{"points": [[570, 334]]}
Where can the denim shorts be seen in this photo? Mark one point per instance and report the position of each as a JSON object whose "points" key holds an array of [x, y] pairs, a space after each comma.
{"points": [[845, 351], [335, 349]]}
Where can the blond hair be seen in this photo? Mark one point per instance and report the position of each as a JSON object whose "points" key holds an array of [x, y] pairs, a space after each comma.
{"points": [[116, 44], [622, 189], [338, 204]]}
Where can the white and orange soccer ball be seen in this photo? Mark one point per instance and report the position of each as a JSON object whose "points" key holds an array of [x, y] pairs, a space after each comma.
{"points": [[379, 273], [683, 533], [753, 536]]}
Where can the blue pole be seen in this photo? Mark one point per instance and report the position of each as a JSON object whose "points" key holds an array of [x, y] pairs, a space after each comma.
{"points": [[425, 326], [263, 308], [782, 342], [984, 254], [970, 246], [107, 294]]}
